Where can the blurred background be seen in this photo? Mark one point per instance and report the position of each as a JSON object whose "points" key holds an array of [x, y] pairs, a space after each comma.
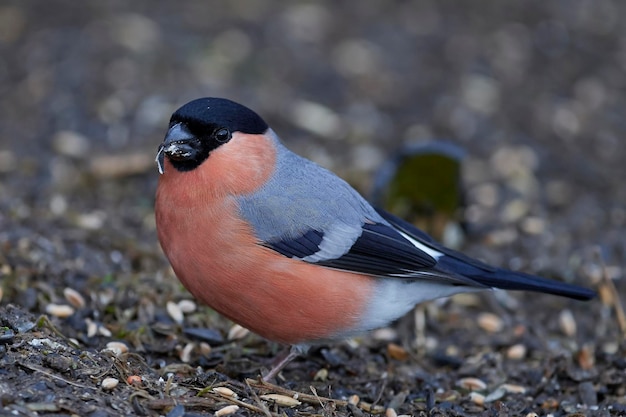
{"points": [[533, 91]]}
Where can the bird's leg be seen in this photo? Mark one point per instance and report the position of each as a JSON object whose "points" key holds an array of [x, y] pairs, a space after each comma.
{"points": [[281, 362]]}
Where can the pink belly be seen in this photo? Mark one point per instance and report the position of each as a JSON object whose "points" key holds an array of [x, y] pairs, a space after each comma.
{"points": [[220, 262]]}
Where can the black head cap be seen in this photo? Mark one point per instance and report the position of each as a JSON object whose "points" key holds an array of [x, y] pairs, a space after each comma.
{"points": [[201, 126], [206, 113]]}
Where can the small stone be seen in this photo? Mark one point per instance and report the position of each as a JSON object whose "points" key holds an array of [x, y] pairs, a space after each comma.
{"points": [[477, 398], [317, 119], [587, 393], [120, 166], [321, 375], [472, 384], [397, 352], [23, 325], [106, 296], [586, 357], [385, 334], [354, 399], [185, 353], [211, 336], [104, 331], [374, 409], [136, 32], [74, 298], [69, 143], [490, 322], [58, 362], [610, 348], [6, 335], [514, 211], [8, 161], [42, 407], [567, 323], [58, 204], [495, 395], [513, 388], [481, 93], [516, 352], [398, 400], [390, 412], [91, 221], [237, 332], [133, 380], [225, 392], [187, 306], [92, 327], [175, 312], [117, 347], [502, 237], [110, 383], [226, 411], [45, 342], [59, 310], [205, 349], [533, 225], [282, 400]]}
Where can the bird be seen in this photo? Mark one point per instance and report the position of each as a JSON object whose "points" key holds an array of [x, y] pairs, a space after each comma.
{"points": [[289, 250]]}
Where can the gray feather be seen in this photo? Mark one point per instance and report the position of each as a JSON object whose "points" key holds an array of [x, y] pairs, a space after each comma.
{"points": [[325, 203]]}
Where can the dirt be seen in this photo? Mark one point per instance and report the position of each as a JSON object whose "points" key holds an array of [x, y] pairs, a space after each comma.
{"points": [[534, 92]]}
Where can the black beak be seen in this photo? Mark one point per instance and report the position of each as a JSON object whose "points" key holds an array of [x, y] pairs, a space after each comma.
{"points": [[179, 145]]}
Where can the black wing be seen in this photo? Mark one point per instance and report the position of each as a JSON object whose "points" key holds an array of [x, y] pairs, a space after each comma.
{"points": [[457, 263], [379, 250]]}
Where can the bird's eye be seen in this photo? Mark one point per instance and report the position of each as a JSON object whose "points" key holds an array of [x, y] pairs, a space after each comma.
{"points": [[222, 135]]}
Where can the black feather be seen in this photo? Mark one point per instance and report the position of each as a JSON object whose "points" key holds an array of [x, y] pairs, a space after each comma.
{"points": [[381, 250], [457, 263], [300, 247]]}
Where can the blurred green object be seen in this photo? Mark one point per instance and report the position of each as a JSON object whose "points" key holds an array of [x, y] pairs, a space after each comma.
{"points": [[422, 184]]}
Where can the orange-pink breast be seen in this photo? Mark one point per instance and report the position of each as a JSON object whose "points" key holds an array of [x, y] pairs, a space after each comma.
{"points": [[217, 257]]}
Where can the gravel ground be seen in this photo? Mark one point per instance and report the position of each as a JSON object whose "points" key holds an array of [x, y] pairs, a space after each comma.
{"points": [[533, 91]]}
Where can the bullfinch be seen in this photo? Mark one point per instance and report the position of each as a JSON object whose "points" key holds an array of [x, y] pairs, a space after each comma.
{"points": [[286, 248]]}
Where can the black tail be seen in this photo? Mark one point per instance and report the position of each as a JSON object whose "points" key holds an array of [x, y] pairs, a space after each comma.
{"points": [[456, 263], [510, 280], [518, 281]]}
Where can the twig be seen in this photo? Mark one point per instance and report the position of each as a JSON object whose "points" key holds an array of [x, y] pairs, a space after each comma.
{"points": [[44, 321], [314, 391], [310, 399], [250, 407], [210, 401], [51, 375], [192, 402], [615, 300], [141, 394], [258, 400], [383, 384]]}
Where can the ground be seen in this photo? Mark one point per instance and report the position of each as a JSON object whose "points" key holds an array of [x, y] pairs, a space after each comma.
{"points": [[534, 92]]}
